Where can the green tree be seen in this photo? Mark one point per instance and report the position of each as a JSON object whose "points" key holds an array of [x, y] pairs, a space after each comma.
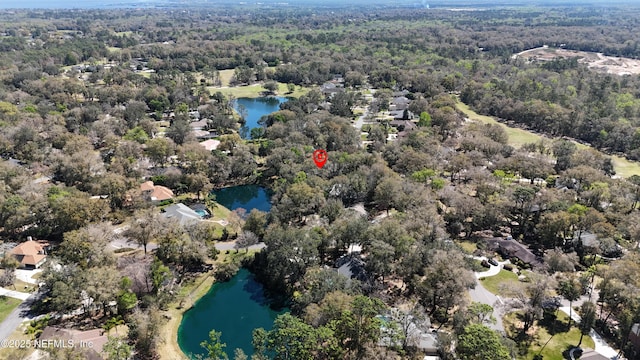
{"points": [[292, 339], [127, 299], [160, 149], [256, 222], [159, 274], [571, 289], [116, 348], [360, 325], [479, 342], [587, 319], [271, 86], [179, 130], [214, 346], [425, 119]]}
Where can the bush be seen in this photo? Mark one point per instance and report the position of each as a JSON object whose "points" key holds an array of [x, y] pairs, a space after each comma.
{"points": [[36, 326], [226, 271], [485, 263], [508, 267]]}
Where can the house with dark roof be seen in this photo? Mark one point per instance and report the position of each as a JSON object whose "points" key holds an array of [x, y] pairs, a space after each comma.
{"points": [[589, 354], [399, 103], [330, 89], [401, 114], [403, 125], [514, 249], [31, 254]]}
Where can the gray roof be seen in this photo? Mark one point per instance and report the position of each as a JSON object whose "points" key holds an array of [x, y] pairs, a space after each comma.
{"points": [[588, 239], [182, 213]]}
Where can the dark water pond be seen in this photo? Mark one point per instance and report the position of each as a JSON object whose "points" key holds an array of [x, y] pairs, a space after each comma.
{"points": [[244, 196], [256, 108], [234, 308]]}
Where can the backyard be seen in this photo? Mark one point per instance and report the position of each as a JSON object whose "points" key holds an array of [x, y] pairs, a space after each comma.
{"points": [[553, 331]]}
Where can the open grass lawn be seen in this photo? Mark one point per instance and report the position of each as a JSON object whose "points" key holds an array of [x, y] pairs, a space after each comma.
{"points": [[19, 285], [225, 76], [495, 283], [468, 246], [559, 339], [219, 212], [229, 256], [7, 304], [256, 90], [519, 137]]}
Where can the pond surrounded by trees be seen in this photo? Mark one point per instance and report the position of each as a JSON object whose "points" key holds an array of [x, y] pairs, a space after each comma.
{"points": [[234, 308], [257, 108], [244, 196]]}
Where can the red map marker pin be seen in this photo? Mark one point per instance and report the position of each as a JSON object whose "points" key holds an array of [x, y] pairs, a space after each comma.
{"points": [[320, 158]]}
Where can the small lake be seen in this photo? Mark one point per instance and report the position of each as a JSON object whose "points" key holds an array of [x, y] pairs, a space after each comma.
{"points": [[244, 196], [257, 108], [234, 308]]}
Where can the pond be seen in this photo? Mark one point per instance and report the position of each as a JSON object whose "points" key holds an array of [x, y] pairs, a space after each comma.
{"points": [[234, 308], [244, 196], [257, 108]]}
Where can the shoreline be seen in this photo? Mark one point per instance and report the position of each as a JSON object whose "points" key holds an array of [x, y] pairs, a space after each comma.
{"points": [[169, 348]]}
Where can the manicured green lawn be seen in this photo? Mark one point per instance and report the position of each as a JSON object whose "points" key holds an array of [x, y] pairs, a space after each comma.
{"points": [[255, 90], [495, 283], [559, 342], [7, 305], [519, 137]]}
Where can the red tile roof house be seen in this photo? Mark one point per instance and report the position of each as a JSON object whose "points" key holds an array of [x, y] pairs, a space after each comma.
{"points": [[30, 254], [156, 192]]}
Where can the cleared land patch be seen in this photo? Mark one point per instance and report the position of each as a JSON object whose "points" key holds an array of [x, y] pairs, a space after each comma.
{"points": [[595, 61]]}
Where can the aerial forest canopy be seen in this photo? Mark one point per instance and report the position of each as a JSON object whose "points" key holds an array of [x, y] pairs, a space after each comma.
{"points": [[453, 136]]}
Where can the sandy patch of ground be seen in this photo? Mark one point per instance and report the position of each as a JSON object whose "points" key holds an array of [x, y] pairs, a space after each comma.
{"points": [[595, 61]]}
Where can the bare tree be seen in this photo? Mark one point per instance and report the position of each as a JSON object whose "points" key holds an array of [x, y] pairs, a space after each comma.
{"points": [[246, 239], [145, 227]]}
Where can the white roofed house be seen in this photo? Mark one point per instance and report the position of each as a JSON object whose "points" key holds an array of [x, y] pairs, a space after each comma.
{"points": [[182, 213]]}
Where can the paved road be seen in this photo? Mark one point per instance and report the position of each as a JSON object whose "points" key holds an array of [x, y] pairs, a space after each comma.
{"points": [[14, 294], [230, 245], [17, 316], [360, 121], [482, 295], [27, 275]]}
